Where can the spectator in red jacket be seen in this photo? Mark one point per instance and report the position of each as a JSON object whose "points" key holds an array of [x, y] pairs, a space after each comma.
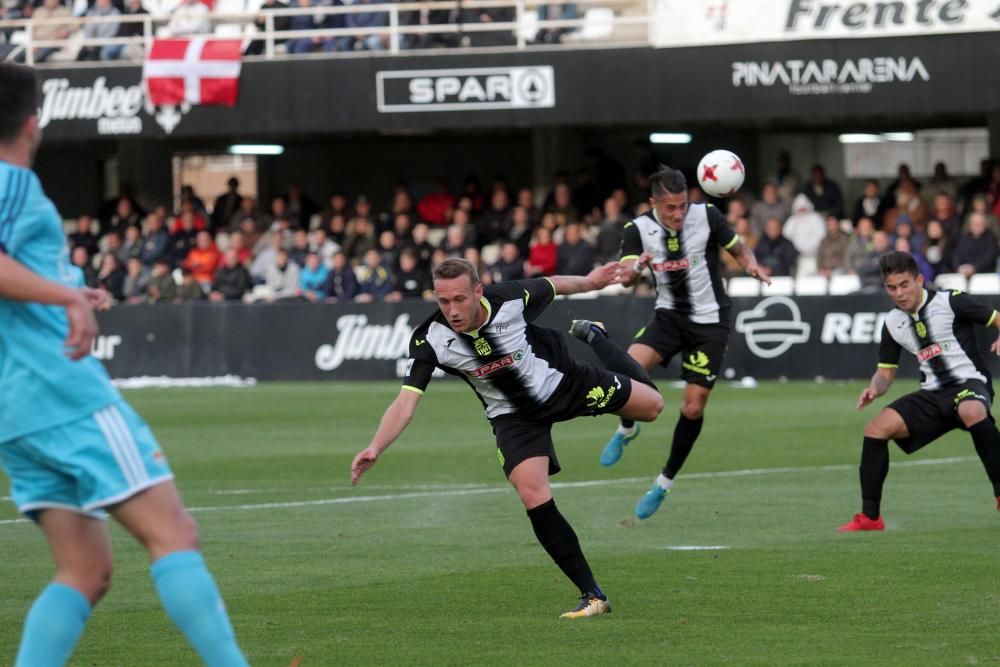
{"points": [[543, 256], [203, 259], [435, 208]]}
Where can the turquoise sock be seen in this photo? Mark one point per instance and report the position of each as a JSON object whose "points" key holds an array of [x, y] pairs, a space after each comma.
{"points": [[193, 603], [53, 626]]}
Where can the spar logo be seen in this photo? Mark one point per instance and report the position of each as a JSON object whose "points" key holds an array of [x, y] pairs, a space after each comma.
{"points": [[496, 365], [930, 352], [773, 326], [828, 77], [465, 89], [671, 265]]}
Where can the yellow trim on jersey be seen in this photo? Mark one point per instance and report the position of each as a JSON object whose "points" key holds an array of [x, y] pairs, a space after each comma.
{"points": [[993, 317], [627, 257], [888, 365], [736, 239], [413, 389], [555, 292]]}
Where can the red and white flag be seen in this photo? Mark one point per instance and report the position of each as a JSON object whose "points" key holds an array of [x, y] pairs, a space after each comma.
{"points": [[196, 70]]}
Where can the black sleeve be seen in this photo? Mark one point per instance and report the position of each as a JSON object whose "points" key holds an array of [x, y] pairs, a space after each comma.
{"points": [[631, 242], [971, 310], [537, 294], [421, 363], [888, 350], [719, 229]]}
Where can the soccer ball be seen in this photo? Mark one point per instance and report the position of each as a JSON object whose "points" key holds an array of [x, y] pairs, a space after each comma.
{"points": [[720, 173]]}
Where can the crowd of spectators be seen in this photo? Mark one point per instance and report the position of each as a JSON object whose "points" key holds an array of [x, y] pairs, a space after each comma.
{"points": [[348, 249], [947, 226], [194, 17]]}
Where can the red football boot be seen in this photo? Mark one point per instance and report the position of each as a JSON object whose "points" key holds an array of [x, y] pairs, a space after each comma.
{"points": [[862, 522]]}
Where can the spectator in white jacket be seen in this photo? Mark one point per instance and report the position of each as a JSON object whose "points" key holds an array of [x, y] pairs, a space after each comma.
{"points": [[805, 228], [191, 17]]}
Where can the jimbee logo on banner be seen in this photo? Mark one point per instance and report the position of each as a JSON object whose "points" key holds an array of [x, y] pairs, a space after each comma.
{"points": [[465, 89]]}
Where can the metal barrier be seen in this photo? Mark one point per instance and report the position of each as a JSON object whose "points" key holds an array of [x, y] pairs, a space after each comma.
{"points": [[599, 23]]}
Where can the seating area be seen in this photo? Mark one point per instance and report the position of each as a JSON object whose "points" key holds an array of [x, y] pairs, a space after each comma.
{"points": [[742, 286]]}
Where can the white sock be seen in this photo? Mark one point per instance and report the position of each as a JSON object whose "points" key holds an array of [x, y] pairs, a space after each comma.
{"points": [[665, 483], [626, 431]]}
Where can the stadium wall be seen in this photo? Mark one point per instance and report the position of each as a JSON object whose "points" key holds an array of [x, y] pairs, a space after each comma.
{"points": [[835, 337]]}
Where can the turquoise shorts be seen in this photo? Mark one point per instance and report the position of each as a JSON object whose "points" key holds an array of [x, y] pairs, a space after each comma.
{"points": [[84, 465]]}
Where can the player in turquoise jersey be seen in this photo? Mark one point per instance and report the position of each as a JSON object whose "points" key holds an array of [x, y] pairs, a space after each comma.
{"points": [[72, 448]]}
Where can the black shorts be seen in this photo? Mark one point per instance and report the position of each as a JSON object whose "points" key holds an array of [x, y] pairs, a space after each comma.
{"points": [[585, 391], [930, 414], [702, 346]]}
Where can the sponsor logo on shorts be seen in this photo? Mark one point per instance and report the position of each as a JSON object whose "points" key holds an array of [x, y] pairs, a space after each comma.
{"points": [[929, 352], [496, 365], [966, 394], [598, 397], [671, 265], [697, 363], [500, 457]]}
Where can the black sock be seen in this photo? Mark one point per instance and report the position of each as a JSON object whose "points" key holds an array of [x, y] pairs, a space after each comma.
{"points": [[873, 470], [685, 433], [616, 359], [557, 537], [986, 438], [627, 423]]}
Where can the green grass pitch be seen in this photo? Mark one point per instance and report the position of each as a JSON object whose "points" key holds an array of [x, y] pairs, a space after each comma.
{"points": [[431, 560]]}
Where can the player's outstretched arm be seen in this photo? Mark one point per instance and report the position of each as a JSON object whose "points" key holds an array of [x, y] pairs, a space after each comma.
{"points": [[748, 261], [630, 269], [19, 283], [880, 384], [395, 420], [599, 278]]}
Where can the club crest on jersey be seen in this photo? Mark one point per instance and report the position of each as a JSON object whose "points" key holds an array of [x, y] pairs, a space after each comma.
{"points": [[671, 265], [921, 329], [673, 244], [930, 352], [483, 347], [494, 366]]}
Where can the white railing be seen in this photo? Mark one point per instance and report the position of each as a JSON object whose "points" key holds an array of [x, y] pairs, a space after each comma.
{"points": [[598, 23]]}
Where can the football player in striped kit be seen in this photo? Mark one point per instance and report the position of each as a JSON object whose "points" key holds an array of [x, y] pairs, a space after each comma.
{"points": [[680, 243], [956, 390], [526, 380]]}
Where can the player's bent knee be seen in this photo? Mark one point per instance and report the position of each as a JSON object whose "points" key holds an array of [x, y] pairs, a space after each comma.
{"points": [[972, 412], [92, 581], [693, 410]]}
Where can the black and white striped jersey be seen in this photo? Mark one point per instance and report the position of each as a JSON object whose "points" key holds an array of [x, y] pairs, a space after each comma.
{"points": [[941, 334], [686, 263], [512, 364]]}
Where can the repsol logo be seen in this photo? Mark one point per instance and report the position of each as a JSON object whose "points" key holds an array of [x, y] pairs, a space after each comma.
{"points": [[359, 340], [852, 328], [465, 89]]}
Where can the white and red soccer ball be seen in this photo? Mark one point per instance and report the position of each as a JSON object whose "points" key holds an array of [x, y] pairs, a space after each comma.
{"points": [[721, 173]]}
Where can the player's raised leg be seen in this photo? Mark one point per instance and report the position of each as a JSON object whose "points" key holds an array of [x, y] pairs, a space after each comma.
{"points": [[187, 590], [986, 438], [82, 553], [628, 430], [874, 468], [686, 432], [531, 480]]}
